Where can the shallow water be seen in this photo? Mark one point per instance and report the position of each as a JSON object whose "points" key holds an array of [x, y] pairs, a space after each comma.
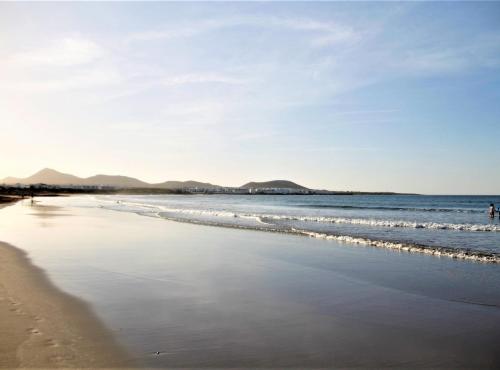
{"points": [[214, 297], [457, 226]]}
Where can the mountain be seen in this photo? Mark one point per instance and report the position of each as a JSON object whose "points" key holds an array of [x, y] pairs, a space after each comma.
{"points": [[10, 180], [273, 184], [116, 181], [184, 184], [53, 177], [46, 176]]}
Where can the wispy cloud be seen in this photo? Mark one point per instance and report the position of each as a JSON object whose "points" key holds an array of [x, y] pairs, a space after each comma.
{"points": [[64, 64], [194, 78], [321, 33], [90, 78], [179, 30], [197, 112], [343, 149], [64, 52], [480, 52], [174, 81], [332, 149], [255, 136], [364, 112], [324, 33]]}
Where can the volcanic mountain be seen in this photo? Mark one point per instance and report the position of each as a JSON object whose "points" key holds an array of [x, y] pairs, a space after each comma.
{"points": [[273, 184]]}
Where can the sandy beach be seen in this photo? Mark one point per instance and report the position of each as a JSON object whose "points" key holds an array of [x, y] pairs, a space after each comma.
{"points": [[43, 327], [177, 295], [258, 185]]}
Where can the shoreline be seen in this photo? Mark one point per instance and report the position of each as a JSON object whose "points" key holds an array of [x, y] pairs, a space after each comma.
{"points": [[44, 327], [461, 255], [200, 297]]}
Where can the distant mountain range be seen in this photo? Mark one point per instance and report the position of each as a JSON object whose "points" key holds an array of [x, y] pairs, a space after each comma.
{"points": [[52, 177]]}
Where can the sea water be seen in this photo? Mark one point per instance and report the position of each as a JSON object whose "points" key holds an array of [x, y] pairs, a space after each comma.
{"points": [[453, 226]]}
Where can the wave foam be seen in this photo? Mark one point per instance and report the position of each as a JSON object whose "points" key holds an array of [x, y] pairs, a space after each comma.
{"points": [[333, 220], [413, 248], [390, 223], [455, 253], [381, 208], [185, 215]]}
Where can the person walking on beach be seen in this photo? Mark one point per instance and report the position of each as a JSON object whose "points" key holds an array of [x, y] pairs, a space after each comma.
{"points": [[492, 210]]}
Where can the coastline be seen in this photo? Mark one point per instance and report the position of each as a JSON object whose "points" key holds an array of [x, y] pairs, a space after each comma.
{"points": [[44, 327], [193, 296]]}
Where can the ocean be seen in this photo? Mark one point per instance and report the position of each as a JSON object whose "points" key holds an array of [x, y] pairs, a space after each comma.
{"points": [[453, 226]]}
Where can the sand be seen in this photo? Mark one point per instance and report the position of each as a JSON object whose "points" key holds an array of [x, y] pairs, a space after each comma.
{"points": [[44, 327]]}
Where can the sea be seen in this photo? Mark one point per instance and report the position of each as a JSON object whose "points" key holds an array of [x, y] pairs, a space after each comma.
{"points": [[439, 225]]}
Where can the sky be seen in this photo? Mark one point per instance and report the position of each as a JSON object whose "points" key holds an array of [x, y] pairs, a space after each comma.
{"points": [[395, 96]]}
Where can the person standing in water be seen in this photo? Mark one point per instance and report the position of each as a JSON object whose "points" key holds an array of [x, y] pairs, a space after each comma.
{"points": [[492, 210]]}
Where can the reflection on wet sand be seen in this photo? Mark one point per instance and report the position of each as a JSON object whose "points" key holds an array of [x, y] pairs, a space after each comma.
{"points": [[46, 211]]}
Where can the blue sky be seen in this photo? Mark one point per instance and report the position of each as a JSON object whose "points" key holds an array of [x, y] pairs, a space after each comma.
{"points": [[346, 96]]}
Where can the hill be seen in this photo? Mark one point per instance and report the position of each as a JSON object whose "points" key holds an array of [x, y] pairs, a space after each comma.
{"points": [[184, 185], [52, 177], [116, 181], [46, 176], [284, 184]]}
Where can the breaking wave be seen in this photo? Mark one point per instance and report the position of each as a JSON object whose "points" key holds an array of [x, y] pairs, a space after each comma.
{"points": [[268, 222], [466, 254], [334, 220], [381, 208], [390, 223], [455, 253]]}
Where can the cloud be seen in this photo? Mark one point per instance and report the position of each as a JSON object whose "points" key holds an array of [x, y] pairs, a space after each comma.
{"points": [[323, 33], [201, 78], [256, 136], [64, 52], [364, 112], [65, 64], [475, 53], [343, 149], [194, 112], [174, 81], [95, 77], [180, 30]]}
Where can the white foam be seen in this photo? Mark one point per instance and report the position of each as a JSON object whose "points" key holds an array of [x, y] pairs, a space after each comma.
{"points": [[435, 251], [225, 219], [390, 223], [333, 220]]}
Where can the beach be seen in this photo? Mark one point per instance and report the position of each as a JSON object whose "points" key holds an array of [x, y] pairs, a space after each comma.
{"points": [[178, 295], [254, 185], [43, 327]]}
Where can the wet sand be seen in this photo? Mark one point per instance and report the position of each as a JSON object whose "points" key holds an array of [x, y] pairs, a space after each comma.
{"points": [[43, 327]]}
